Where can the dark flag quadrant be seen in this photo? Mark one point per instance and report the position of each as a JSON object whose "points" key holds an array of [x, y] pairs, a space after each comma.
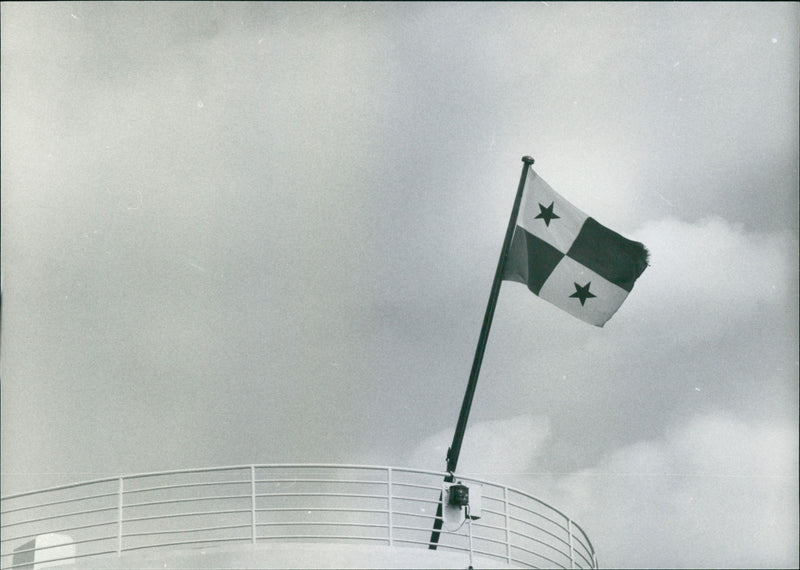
{"points": [[568, 258]]}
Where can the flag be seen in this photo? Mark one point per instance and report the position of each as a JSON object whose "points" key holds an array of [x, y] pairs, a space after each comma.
{"points": [[568, 258]]}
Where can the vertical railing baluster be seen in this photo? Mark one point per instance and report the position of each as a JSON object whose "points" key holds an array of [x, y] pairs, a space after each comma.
{"points": [[391, 507], [119, 516], [508, 533], [571, 549], [469, 532], [253, 503]]}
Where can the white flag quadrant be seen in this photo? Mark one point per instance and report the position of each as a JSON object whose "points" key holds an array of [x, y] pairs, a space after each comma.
{"points": [[548, 216], [582, 292]]}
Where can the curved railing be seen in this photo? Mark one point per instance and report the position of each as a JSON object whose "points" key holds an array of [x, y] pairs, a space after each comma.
{"points": [[286, 503]]}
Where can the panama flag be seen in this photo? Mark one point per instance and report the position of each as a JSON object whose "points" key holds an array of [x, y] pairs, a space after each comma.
{"points": [[568, 258]]}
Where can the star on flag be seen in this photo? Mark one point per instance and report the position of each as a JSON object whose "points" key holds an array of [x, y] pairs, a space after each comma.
{"points": [[568, 258], [546, 213], [582, 293]]}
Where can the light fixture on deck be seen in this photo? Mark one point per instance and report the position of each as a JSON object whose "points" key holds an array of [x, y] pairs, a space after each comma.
{"points": [[460, 500]]}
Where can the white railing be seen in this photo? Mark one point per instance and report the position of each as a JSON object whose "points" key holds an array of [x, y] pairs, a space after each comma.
{"points": [[286, 503]]}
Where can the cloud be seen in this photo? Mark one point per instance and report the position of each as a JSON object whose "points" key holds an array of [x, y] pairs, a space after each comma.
{"points": [[713, 491], [716, 491], [710, 273], [490, 449]]}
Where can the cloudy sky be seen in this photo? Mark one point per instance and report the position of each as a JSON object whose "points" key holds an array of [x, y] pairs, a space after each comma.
{"points": [[264, 233]]}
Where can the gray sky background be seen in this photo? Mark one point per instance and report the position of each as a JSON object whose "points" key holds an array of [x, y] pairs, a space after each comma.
{"points": [[262, 233]]}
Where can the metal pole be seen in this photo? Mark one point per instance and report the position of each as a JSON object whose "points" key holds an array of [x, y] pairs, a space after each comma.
{"points": [[461, 427], [458, 437]]}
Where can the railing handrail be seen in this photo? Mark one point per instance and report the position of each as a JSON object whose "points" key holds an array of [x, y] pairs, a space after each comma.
{"points": [[575, 545]]}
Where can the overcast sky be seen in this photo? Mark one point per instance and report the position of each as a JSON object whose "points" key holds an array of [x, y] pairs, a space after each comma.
{"points": [[261, 233]]}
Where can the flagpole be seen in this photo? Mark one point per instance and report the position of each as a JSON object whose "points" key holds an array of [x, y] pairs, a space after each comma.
{"points": [[458, 437]]}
